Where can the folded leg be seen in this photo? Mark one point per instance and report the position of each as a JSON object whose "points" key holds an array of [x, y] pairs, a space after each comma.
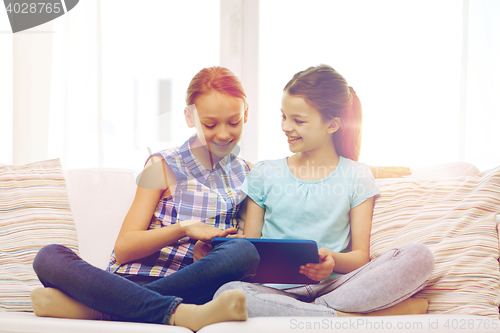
{"points": [[382, 283], [262, 301]]}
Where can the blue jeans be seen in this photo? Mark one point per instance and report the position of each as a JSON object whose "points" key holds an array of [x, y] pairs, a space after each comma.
{"points": [[59, 267], [381, 283]]}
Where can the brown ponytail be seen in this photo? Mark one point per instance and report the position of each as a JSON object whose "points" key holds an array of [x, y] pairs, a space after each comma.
{"points": [[324, 89], [348, 138]]}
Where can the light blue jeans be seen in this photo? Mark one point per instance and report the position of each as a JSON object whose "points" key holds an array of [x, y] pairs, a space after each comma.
{"points": [[59, 267], [381, 283]]}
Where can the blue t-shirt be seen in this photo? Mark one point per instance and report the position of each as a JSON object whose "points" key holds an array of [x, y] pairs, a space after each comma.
{"points": [[316, 210]]}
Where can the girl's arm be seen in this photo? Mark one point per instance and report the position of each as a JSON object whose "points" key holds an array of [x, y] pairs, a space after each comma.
{"points": [[361, 220], [254, 220], [135, 241], [361, 224]]}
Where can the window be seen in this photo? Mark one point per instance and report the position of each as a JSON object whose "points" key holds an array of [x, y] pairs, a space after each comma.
{"points": [[151, 50], [426, 73], [403, 58]]}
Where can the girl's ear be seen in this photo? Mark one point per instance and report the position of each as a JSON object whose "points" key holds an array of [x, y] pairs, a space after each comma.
{"points": [[189, 118], [245, 115], [334, 125]]}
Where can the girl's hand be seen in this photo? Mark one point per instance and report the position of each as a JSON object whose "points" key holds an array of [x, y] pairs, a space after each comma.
{"points": [[236, 236], [205, 232], [229, 232], [202, 247], [322, 270], [200, 250]]}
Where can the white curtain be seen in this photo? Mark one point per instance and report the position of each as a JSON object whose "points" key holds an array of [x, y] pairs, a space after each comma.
{"points": [[482, 84], [54, 105], [75, 128], [86, 89], [411, 62]]}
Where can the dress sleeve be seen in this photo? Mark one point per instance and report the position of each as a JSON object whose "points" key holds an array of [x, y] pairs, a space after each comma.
{"points": [[364, 186], [254, 184]]}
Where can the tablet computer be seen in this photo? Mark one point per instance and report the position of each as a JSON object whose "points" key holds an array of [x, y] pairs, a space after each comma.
{"points": [[280, 259]]}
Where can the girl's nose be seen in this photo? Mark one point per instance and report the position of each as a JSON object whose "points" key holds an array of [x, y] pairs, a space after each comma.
{"points": [[223, 134], [285, 126]]}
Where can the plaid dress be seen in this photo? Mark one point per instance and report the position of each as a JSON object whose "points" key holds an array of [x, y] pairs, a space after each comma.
{"points": [[209, 196]]}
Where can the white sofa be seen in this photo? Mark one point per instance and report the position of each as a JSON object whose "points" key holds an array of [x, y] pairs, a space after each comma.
{"points": [[100, 198]]}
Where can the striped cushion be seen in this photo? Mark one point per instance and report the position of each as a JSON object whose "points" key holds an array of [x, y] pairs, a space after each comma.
{"points": [[456, 220], [34, 212]]}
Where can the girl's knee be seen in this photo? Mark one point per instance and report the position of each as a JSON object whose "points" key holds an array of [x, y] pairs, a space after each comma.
{"points": [[43, 254], [245, 252], [47, 255], [420, 255], [421, 251], [245, 248]]}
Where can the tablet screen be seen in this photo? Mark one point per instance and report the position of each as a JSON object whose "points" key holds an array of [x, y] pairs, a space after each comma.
{"points": [[280, 259]]}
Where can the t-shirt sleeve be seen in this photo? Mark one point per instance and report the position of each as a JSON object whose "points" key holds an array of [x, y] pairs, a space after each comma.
{"points": [[253, 186], [364, 186]]}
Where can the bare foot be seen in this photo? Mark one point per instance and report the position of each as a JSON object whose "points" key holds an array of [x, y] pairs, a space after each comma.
{"points": [[229, 306], [51, 302]]}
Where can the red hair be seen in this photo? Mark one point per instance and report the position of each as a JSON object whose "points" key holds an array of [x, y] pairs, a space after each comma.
{"points": [[215, 78], [325, 90]]}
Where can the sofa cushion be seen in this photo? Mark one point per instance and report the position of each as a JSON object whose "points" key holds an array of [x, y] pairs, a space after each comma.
{"points": [[34, 212], [388, 324], [456, 219], [22, 322], [445, 171], [100, 200]]}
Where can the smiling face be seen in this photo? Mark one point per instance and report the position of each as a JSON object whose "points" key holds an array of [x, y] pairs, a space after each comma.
{"points": [[305, 129], [218, 119]]}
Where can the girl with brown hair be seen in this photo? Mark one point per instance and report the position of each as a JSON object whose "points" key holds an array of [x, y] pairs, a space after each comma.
{"points": [[322, 193]]}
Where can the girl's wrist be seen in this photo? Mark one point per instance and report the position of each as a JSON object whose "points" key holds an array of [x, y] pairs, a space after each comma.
{"points": [[180, 230], [187, 223], [328, 252]]}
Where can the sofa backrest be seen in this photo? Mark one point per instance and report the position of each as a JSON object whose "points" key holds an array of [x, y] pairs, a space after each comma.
{"points": [[99, 200]]}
